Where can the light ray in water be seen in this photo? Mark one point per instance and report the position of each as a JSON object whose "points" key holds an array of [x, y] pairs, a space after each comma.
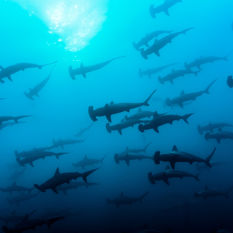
{"points": [[75, 22]]}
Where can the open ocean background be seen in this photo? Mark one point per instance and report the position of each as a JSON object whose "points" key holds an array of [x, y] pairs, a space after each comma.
{"points": [[62, 110]]}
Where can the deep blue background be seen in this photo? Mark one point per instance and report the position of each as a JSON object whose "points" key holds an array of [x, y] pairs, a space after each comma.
{"points": [[62, 107]]}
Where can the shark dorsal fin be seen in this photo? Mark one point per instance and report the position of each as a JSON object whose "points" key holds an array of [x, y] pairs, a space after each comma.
{"points": [[112, 102], [57, 172], [174, 148], [85, 157], [182, 92], [14, 183], [206, 187], [155, 114]]}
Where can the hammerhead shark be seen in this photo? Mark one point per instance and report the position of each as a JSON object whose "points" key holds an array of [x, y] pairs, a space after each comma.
{"points": [[10, 70], [83, 70]]}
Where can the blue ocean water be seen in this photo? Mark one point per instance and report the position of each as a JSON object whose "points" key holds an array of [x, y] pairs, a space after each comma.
{"points": [[74, 33]]}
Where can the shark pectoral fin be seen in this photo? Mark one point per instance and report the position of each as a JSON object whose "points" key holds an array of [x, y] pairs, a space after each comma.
{"points": [[2, 81], [166, 12], [120, 132], [109, 118], [156, 130], [127, 162], [172, 164], [31, 163], [165, 179], [157, 53], [9, 77], [84, 75]]}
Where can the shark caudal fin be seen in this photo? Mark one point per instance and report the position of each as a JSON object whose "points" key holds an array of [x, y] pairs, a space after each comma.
{"points": [[86, 174], [148, 99], [209, 86], [186, 117], [108, 128], [71, 73], [186, 30], [150, 178], [48, 64], [57, 155], [156, 157], [39, 188], [207, 161]]}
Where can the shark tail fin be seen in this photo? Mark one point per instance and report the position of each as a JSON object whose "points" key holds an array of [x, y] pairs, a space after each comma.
{"points": [[21, 117], [148, 99], [187, 30], [186, 117], [86, 174], [209, 86], [207, 161]]}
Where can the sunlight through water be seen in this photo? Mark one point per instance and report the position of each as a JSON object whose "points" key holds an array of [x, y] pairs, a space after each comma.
{"points": [[75, 22]]}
